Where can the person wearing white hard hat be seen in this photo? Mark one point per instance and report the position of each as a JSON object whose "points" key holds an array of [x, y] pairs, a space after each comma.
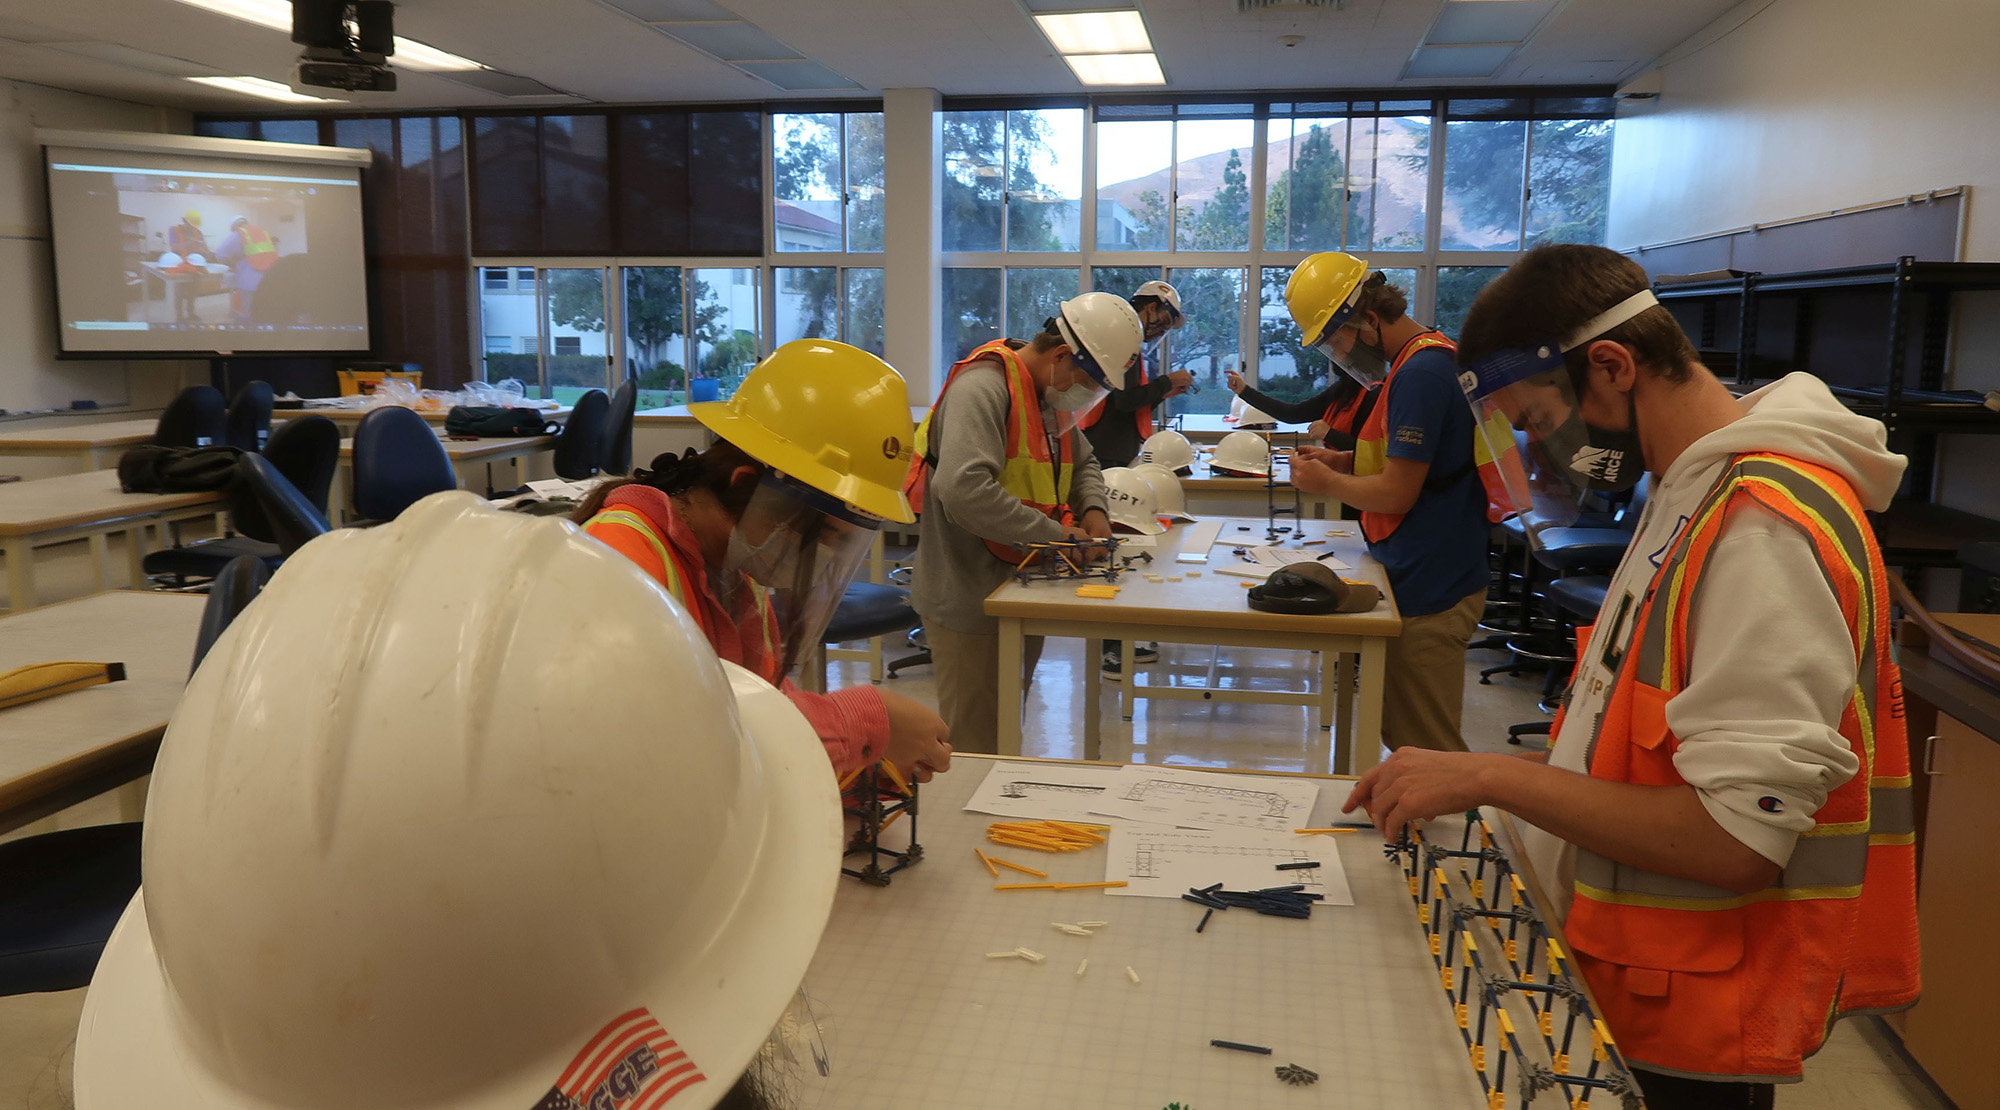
{"points": [[1122, 422], [999, 463], [1725, 808], [413, 840], [760, 534], [1170, 449]]}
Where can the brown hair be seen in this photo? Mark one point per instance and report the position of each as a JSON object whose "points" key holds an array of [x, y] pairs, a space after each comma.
{"points": [[1049, 338], [713, 470], [1381, 298], [1554, 290]]}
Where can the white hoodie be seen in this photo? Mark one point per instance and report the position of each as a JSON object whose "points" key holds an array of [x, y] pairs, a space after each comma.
{"points": [[1771, 664]]}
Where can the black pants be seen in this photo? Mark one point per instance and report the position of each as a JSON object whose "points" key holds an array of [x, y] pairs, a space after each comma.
{"points": [[1672, 1092]]}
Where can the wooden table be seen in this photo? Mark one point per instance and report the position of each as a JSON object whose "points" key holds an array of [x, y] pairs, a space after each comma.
{"points": [[1209, 609], [87, 446], [61, 750], [74, 506], [1253, 496]]}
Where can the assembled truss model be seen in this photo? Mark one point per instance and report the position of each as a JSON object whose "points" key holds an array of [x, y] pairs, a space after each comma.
{"points": [[1062, 560], [1495, 951], [1272, 509], [878, 796]]}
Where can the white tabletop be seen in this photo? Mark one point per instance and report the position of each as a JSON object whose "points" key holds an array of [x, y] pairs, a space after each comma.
{"points": [[80, 436], [57, 743], [91, 497]]}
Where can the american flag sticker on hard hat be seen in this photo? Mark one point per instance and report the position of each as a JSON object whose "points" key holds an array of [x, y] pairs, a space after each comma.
{"points": [[631, 1064]]}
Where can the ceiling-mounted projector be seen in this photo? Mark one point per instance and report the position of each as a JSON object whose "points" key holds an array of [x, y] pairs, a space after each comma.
{"points": [[347, 43]]}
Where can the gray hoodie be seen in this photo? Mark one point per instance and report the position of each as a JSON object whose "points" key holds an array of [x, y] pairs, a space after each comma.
{"points": [[964, 504], [1771, 665]]}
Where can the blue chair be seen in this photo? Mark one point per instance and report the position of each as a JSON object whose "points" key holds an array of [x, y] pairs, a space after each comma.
{"points": [[247, 425], [61, 893], [398, 461], [867, 610], [618, 429], [195, 417], [306, 450]]}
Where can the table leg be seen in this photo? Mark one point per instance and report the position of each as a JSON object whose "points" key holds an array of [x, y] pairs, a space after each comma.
{"points": [[20, 573], [1367, 749], [1343, 707], [1010, 691], [100, 559], [1093, 708], [1128, 694], [135, 555]]}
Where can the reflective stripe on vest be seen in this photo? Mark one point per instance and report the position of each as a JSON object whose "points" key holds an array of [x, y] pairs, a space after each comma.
{"points": [[1040, 480], [768, 660], [1142, 416], [1701, 980], [1499, 475]]}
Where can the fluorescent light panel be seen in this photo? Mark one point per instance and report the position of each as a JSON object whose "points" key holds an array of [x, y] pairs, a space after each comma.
{"points": [[1120, 32], [1116, 69], [277, 15], [257, 86]]}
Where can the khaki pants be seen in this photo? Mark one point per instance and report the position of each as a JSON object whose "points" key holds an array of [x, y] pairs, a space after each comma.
{"points": [[967, 666], [1423, 689]]}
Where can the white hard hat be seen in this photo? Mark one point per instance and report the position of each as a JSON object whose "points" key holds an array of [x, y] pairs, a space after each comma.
{"points": [[1169, 296], [1132, 502], [1243, 453], [169, 260], [1169, 499], [195, 259], [463, 812], [1105, 333], [1249, 416], [1169, 449]]}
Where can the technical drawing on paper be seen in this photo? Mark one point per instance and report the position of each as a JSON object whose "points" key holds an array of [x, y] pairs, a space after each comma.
{"points": [[1206, 800], [1158, 862], [1020, 789], [1043, 791]]}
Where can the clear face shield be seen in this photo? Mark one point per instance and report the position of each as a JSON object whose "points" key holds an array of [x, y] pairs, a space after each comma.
{"points": [[1080, 386], [1342, 344], [1525, 397], [801, 547]]}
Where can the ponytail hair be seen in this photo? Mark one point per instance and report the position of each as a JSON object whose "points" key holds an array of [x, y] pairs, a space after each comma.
{"points": [[713, 470]]}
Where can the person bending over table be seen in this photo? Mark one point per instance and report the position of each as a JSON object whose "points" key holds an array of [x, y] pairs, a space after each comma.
{"points": [[760, 534], [1000, 462], [1724, 815]]}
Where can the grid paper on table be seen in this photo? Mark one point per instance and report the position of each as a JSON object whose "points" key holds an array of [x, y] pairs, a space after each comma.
{"points": [[918, 1018]]}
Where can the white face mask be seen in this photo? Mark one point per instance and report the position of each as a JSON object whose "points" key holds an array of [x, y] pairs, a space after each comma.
{"points": [[773, 564], [1077, 397]]}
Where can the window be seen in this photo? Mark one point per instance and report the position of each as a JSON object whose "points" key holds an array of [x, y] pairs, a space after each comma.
{"points": [[568, 345], [1210, 343], [1569, 180], [655, 335], [971, 299], [1035, 294], [863, 319], [828, 173], [498, 344], [1456, 288], [1211, 209], [1484, 164], [826, 302], [574, 320], [1013, 180], [493, 279], [1305, 184], [723, 309], [1388, 183], [524, 280], [1135, 167], [1286, 368]]}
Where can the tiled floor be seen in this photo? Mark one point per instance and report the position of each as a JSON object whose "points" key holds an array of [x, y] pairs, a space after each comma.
{"points": [[1860, 1066]]}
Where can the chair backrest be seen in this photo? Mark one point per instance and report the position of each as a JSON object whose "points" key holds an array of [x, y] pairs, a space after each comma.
{"points": [[232, 590], [580, 446], [306, 450], [195, 418], [398, 461], [248, 424], [618, 429], [267, 507]]}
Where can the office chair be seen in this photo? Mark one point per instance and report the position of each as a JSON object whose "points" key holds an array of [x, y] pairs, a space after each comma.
{"points": [[194, 418], [398, 461], [247, 425], [579, 446], [306, 450], [61, 893], [618, 429], [273, 518]]}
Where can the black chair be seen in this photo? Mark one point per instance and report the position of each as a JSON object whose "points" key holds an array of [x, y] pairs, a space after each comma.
{"points": [[306, 450], [398, 461], [195, 418], [580, 445], [275, 519], [61, 893], [248, 423], [1578, 597], [866, 610], [618, 429], [921, 657]]}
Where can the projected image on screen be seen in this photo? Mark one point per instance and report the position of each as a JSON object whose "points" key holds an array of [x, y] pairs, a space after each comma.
{"points": [[166, 253]]}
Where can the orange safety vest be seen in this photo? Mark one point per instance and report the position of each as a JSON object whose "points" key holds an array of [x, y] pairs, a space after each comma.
{"points": [[1702, 981], [1143, 416], [1496, 471], [258, 250], [1038, 466], [754, 642], [1341, 416]]}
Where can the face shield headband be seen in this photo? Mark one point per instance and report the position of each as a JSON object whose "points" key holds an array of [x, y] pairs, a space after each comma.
{"points": [[1530, 387]]}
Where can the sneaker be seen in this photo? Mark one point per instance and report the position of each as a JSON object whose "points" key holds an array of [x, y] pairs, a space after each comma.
{"points": [[1142, 654]]}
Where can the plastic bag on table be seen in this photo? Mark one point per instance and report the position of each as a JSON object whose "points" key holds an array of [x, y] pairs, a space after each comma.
{"points": [[393, 391]]}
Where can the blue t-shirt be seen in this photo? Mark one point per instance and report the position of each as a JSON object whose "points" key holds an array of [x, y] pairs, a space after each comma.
{"points": [[1438, 554]]}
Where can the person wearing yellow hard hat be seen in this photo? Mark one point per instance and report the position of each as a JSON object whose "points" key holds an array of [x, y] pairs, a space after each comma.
{"points": [[760, 534], [1415, 479], [184, 239]]}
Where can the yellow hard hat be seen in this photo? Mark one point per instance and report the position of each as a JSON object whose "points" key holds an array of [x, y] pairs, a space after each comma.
{"points": [[193, 217], [1322, 293], [832, 416]]}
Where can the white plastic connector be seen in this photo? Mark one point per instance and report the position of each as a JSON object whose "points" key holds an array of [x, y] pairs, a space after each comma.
{"points": [[1093, 924], [1132, 975], [1030, 954], [1008, 955]]}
